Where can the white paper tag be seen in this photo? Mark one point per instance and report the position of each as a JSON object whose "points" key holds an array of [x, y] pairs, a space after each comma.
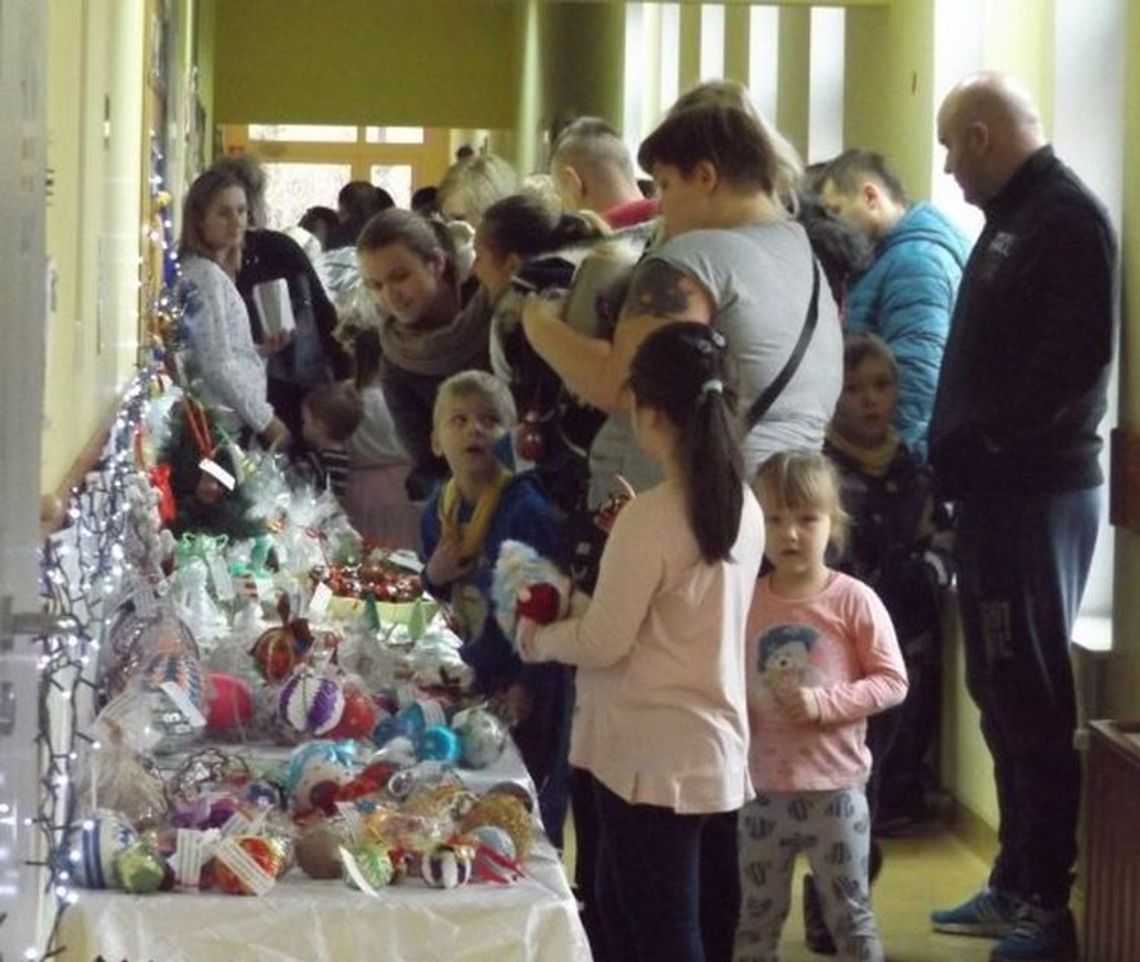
{"points": [[237, 824], [220, 575], [184, 704], [243, 865], [319, 602], [354, 872], [189, 854], [353, 821], [218, 473]]}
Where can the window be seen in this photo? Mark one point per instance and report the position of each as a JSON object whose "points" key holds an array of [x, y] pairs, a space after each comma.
{"points": [[396, 179], [304, 133], [394, 135], [295, 187]]}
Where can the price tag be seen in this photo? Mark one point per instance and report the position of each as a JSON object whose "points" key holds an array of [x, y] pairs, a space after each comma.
{"points": [[189, 854], [220, 575], [244, 866], [350, 866], [183, 703], [319, 602], [352, 820], [218, 473]]}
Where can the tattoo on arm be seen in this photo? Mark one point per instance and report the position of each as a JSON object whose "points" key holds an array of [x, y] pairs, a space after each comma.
{"points": [[659, 290]]}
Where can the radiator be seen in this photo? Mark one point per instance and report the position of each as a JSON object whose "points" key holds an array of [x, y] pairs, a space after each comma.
{"points": [[1112, 891]]}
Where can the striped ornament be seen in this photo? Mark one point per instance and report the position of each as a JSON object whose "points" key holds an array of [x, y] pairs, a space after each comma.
{"points": [[310, 704]]}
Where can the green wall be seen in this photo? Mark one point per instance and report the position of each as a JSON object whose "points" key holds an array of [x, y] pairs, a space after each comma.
{"points": [[889, 91], [583, 59], [447, 63]]}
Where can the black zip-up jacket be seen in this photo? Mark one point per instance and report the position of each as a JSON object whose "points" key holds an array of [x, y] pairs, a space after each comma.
{"points": [[1024, 377]]}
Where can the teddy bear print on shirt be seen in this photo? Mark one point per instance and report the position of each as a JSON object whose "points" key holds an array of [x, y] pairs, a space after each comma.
{"points": [[783, 665]]}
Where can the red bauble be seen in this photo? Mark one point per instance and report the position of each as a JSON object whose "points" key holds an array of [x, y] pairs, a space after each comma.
{"points": [[532, 443], [229, 702], [359, 717], [542, 605]]}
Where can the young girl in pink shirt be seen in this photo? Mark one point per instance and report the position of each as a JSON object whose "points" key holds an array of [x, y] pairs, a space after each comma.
{"points": [[822, 657], [661, 720]]}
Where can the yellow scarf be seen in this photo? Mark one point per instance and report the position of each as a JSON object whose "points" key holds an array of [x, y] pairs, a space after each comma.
{"points": [[874, 461], [474, 530]]}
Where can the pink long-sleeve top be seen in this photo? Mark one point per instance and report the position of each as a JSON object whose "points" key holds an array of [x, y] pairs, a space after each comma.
{"points": [[661, 715], [842, 645]]}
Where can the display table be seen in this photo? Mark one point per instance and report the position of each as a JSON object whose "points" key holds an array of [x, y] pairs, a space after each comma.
{"points": [[325, 921]]}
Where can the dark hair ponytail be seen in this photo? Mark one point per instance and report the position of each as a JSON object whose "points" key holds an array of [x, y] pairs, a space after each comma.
{"points": [[682, 370]]}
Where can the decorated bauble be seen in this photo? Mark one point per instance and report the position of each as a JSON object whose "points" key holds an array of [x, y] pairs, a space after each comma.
{"points": [[246, 865], [318, 848], [182, 670], [311, 703], [358, 719], [448, 802], [324, 749], [447, 866], [139, 868], [494, 853], [372, 863], [439, 744], [482, 737], [229, 703], [319, 785], [278, 650], [505, 812], [100, 839], [515, 790], [133, 638]]}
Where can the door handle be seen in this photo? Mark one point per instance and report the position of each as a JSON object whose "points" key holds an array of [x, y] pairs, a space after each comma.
{"points": [[19, 623]]}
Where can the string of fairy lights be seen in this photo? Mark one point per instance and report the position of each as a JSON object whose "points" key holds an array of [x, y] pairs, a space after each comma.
{"points": [[83, 569], [82, 572]]}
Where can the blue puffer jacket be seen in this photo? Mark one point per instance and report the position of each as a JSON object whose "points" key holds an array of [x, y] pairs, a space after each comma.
{"points": [[906, 297]]}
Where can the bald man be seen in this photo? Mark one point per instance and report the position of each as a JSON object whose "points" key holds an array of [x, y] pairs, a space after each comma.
{"points": [[1014, 443]]}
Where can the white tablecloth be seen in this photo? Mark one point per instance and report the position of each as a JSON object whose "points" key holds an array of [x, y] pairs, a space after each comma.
{"points": [[304, 920]]}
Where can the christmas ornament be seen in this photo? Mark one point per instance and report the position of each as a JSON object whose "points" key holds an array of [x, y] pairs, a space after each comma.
{"points": [[447, 866], [311, 703], [482, 737], [139, 868], [100, 839]]}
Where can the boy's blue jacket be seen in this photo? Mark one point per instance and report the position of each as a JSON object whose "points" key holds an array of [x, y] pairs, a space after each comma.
{"points": [[524, 514], [907, 297]]}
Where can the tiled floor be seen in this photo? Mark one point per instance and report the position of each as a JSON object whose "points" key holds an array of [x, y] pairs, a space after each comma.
{"points": [[928, 869]]}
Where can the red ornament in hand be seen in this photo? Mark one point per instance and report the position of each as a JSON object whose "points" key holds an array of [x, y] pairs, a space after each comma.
{"points": [[532, 444], [540, 603]]}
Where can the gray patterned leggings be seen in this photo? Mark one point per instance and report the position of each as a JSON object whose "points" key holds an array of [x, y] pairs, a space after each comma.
{"points": [[833, 830]]}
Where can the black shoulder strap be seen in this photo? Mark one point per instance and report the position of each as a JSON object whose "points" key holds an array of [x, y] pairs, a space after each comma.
{"points": [[768, 396]]}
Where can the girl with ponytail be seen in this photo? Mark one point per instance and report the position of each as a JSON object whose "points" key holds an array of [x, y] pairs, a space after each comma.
{"points": [[661, 721]]}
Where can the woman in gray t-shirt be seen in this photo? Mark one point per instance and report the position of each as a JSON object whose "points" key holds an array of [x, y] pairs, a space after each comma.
{"points": [[732, 258]]}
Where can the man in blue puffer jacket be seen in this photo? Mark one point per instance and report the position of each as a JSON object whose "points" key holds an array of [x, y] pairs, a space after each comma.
{"points": [[907, 295]]}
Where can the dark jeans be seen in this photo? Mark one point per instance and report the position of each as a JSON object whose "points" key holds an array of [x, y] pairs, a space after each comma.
{"points": [[1022, 565], [668, 884]]}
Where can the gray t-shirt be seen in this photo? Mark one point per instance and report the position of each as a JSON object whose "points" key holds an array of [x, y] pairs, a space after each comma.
{"points": [[759, 277]]}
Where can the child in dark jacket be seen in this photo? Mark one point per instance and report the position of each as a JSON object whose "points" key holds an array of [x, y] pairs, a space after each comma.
{"points": [[898, 544], [462, 529]]}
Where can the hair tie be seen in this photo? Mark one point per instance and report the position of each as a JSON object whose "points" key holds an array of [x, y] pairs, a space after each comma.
{"points": [[713, 385]]}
